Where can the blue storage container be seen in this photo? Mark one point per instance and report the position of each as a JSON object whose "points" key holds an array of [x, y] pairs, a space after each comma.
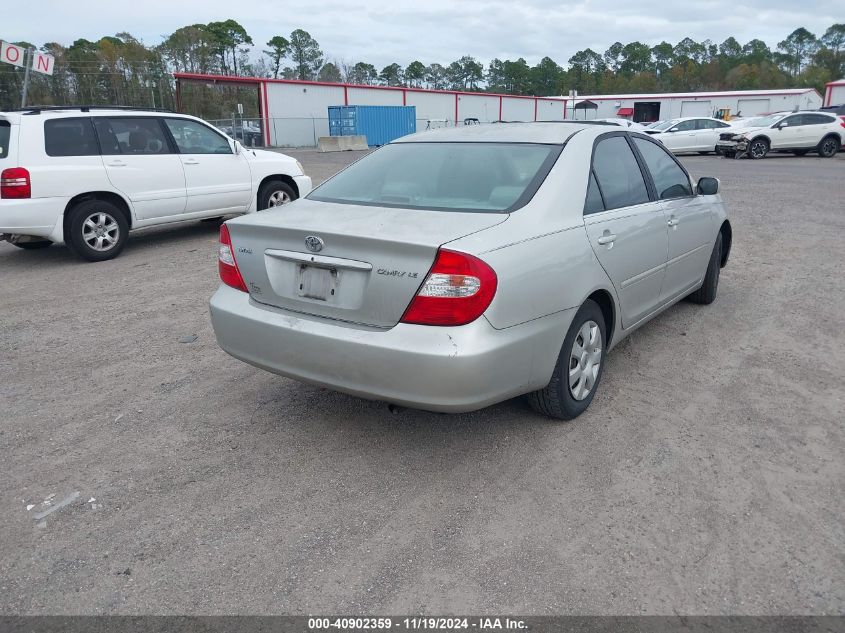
{"points": [[380, 124]]}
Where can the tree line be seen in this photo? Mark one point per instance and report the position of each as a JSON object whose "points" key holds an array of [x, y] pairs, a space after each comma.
{"points": [[120, 69]]}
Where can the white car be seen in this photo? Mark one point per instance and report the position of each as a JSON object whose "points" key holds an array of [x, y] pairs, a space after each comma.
{"points": [[626, 123], [689, 134], [795, 132], [86, 176]]}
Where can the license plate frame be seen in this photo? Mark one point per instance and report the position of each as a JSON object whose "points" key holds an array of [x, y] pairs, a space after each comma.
{"points": [[316, 282]]}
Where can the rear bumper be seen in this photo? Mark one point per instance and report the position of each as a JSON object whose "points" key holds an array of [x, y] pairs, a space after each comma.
{"points": [[32, 216], [434, 368]]}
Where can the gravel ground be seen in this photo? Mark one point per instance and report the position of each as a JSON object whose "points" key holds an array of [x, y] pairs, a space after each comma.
{"points": [[706, 478]]}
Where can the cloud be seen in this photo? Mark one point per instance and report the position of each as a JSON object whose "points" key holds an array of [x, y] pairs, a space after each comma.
{"points": [[385, 31]]}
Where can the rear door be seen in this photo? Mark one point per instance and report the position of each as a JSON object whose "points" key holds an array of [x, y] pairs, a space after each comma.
{"points": [[626, 227], [815, 127], [688, 218], [141, 163], [707, 134], [218, 181]]}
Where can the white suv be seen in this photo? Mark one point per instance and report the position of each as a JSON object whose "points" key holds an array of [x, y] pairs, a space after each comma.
{"points": [[86, 176], [795, 132]]}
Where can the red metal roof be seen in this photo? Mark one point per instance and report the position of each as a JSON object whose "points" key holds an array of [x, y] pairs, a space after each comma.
{"points": [[625, 111]]}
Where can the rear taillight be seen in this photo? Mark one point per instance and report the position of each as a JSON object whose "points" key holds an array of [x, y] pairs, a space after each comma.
{"points": [[457, 291], [228, 267], [842, 121], [14, 183]]}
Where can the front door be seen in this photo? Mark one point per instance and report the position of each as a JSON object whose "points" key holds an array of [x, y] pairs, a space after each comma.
{"points": [[218, 180], [688, 220], [140, 163], [627, 229], [683, 139], [788, 133]]}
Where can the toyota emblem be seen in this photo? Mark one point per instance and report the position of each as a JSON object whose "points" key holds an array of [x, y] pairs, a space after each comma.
{"points": [[313, 243]]}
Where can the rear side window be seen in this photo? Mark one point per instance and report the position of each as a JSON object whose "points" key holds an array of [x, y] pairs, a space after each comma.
{"points": [[669, 179], [5, 134], [816, 119], [618, 174], [131, 136], [70, 137], [594, 203]]}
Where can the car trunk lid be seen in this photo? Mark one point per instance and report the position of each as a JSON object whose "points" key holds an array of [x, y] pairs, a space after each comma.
{"points": [[368, 261]]}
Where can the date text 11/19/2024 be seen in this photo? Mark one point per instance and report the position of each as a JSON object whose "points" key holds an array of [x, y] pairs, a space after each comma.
{"points": [[416, 623]]}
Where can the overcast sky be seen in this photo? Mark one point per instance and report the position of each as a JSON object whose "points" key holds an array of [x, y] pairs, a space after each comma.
{"points": [[384, 31]]}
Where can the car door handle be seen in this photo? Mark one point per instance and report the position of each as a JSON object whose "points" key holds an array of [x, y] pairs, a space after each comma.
{"points": [[190, 161], [116, 163], [606, 239], [673, 222]]}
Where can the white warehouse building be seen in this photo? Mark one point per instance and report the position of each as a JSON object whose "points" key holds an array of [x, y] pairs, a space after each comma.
{"points": [[660, 107], [295, 113], [834, 93]]}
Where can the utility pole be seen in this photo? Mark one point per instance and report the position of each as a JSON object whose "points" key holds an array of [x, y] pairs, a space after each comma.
{"points": [[27, 61]]}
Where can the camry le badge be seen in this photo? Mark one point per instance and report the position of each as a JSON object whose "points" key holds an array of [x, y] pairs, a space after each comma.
{"points": [[313, 243]]}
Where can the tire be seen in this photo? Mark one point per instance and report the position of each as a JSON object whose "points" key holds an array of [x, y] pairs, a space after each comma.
{"points": [[97, 230], [800, 152], [829, 147], [275, 193], [32, 246], [758, 148], [707, 293], [559, 399]]}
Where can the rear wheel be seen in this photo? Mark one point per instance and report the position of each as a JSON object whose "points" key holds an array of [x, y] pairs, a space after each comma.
{"points": [[828, 147], [97, 230], [707, 293], [32, 245], [579, 367], [758, 148], [275, 193]]}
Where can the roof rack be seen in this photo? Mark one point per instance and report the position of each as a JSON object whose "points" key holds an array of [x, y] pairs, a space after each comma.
{"points": [[84, 108]]}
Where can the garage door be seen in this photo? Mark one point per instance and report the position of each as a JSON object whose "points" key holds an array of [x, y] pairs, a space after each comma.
{"points": [[696, 108], [752, 107]]}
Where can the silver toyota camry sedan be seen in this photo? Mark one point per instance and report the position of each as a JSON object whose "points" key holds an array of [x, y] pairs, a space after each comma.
{"points": [[456, 268]]}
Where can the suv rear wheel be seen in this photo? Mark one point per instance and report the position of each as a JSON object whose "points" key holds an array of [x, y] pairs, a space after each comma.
{"points": [[97, 230], [828, 147]]}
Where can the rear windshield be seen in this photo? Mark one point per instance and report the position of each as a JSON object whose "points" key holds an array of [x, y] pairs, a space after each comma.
{"points": [[5, 133], [481, 177]]}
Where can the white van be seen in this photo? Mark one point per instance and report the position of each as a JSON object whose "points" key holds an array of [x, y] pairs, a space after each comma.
{"points": [[86, 176]]}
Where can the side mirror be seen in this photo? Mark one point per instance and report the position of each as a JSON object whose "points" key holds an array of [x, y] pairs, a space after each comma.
{"points": [[708, 186], [674, 129]]}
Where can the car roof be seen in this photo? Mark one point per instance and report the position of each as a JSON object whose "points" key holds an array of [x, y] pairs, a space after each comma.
{"points": [[549, 132], [76, 111]]}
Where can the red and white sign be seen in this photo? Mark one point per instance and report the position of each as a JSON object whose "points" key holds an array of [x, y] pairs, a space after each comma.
{"points": [[12, 54], [42, 63]]}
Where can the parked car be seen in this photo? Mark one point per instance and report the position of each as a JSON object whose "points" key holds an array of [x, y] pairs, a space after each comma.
{"points": [[456, 268], [626, 123], [86, 176], [690, 134], [795, 132]]}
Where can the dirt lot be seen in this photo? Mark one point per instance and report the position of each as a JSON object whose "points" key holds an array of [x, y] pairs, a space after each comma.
{"points": [[707, 476]]}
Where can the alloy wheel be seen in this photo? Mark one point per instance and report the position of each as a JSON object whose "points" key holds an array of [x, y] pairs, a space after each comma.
{"points": [[828, 148], [585, 360], [100, 231], [278, 198], [758, 149]]}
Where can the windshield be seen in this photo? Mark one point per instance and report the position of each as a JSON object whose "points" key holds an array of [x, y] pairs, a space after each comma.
{"points": [[5, 133], [481, 177], [664, 125], [763, 121]]}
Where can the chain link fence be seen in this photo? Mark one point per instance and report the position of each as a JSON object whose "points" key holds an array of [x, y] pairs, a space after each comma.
{"points": [[299, 132]]}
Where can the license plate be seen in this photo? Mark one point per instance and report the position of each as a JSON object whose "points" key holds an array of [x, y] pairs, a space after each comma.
{"points": [[317, 283]]}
